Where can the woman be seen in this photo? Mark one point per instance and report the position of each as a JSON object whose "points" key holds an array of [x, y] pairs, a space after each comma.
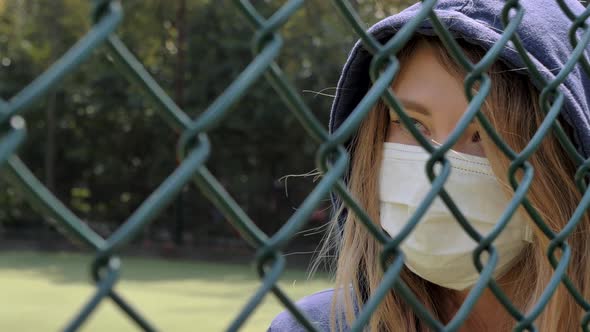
{"points": [[387, 177]]}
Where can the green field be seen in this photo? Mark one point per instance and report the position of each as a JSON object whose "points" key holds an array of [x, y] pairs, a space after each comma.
{"points": [[41, 292]]}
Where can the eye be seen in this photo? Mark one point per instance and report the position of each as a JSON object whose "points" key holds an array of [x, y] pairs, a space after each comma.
{"points": [[419, 125], [476, 138]]}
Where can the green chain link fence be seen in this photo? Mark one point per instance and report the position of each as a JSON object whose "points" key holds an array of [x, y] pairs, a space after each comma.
{"points": [[332, 159]]}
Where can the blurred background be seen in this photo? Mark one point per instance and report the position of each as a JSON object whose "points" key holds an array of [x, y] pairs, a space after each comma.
{"points": [[99, 145]]}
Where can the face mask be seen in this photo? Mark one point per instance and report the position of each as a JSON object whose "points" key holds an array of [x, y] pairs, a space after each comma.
{"points": [[438, 249]]}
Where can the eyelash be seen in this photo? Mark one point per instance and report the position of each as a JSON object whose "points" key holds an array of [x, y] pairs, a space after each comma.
{"points": [[417, 123], [398, 122], [476, 138]]}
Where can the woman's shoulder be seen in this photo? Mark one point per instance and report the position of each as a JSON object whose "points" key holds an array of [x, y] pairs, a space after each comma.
{"points": [[315, 306]]}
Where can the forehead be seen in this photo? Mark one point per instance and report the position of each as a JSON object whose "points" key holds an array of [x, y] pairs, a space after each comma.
{"points": [[425, 80]]}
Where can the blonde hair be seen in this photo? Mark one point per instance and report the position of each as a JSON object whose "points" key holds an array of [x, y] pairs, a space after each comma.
{"points": [[513, 110]]}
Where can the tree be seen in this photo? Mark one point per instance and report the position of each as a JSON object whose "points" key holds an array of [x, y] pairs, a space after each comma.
{"points": [[98, 142]]}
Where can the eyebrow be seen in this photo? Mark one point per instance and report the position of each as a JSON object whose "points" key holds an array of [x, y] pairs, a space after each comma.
{"points": [[414, 106]]}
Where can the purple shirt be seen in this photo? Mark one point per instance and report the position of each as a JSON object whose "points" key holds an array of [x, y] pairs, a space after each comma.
{"points": [[316, 307]]}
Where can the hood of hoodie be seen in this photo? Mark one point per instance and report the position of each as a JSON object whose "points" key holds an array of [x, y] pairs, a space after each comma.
{"points": [[544, 32]]}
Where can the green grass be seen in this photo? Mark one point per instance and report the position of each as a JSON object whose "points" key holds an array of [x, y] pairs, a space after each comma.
{"points": [[42, 292]]}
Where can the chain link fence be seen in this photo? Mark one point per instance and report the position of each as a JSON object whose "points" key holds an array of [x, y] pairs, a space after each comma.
{"points": [[332, 159]]}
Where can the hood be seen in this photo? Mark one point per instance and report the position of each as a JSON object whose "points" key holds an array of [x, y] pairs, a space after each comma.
{"points": [[543, 31]]}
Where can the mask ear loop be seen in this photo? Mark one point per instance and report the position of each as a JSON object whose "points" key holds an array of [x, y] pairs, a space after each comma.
{"points": [[528, 233]]}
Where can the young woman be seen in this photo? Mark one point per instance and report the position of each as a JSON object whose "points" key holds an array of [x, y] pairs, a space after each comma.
{"points": [[387, 176]]}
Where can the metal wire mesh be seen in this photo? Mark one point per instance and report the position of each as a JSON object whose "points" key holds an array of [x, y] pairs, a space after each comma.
{"points": [[332, 159]]}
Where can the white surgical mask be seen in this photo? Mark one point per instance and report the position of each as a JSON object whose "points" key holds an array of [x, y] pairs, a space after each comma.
{"points": [[438, 249]]}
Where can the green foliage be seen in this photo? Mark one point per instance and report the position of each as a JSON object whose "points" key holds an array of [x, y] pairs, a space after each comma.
{"points": [[111, 151]]}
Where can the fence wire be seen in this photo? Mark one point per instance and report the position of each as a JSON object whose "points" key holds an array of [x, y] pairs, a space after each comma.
{"points": [[332, 159]]}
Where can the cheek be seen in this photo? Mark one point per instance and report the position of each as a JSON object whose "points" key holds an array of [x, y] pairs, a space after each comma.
{"points": [[475, 150]]}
